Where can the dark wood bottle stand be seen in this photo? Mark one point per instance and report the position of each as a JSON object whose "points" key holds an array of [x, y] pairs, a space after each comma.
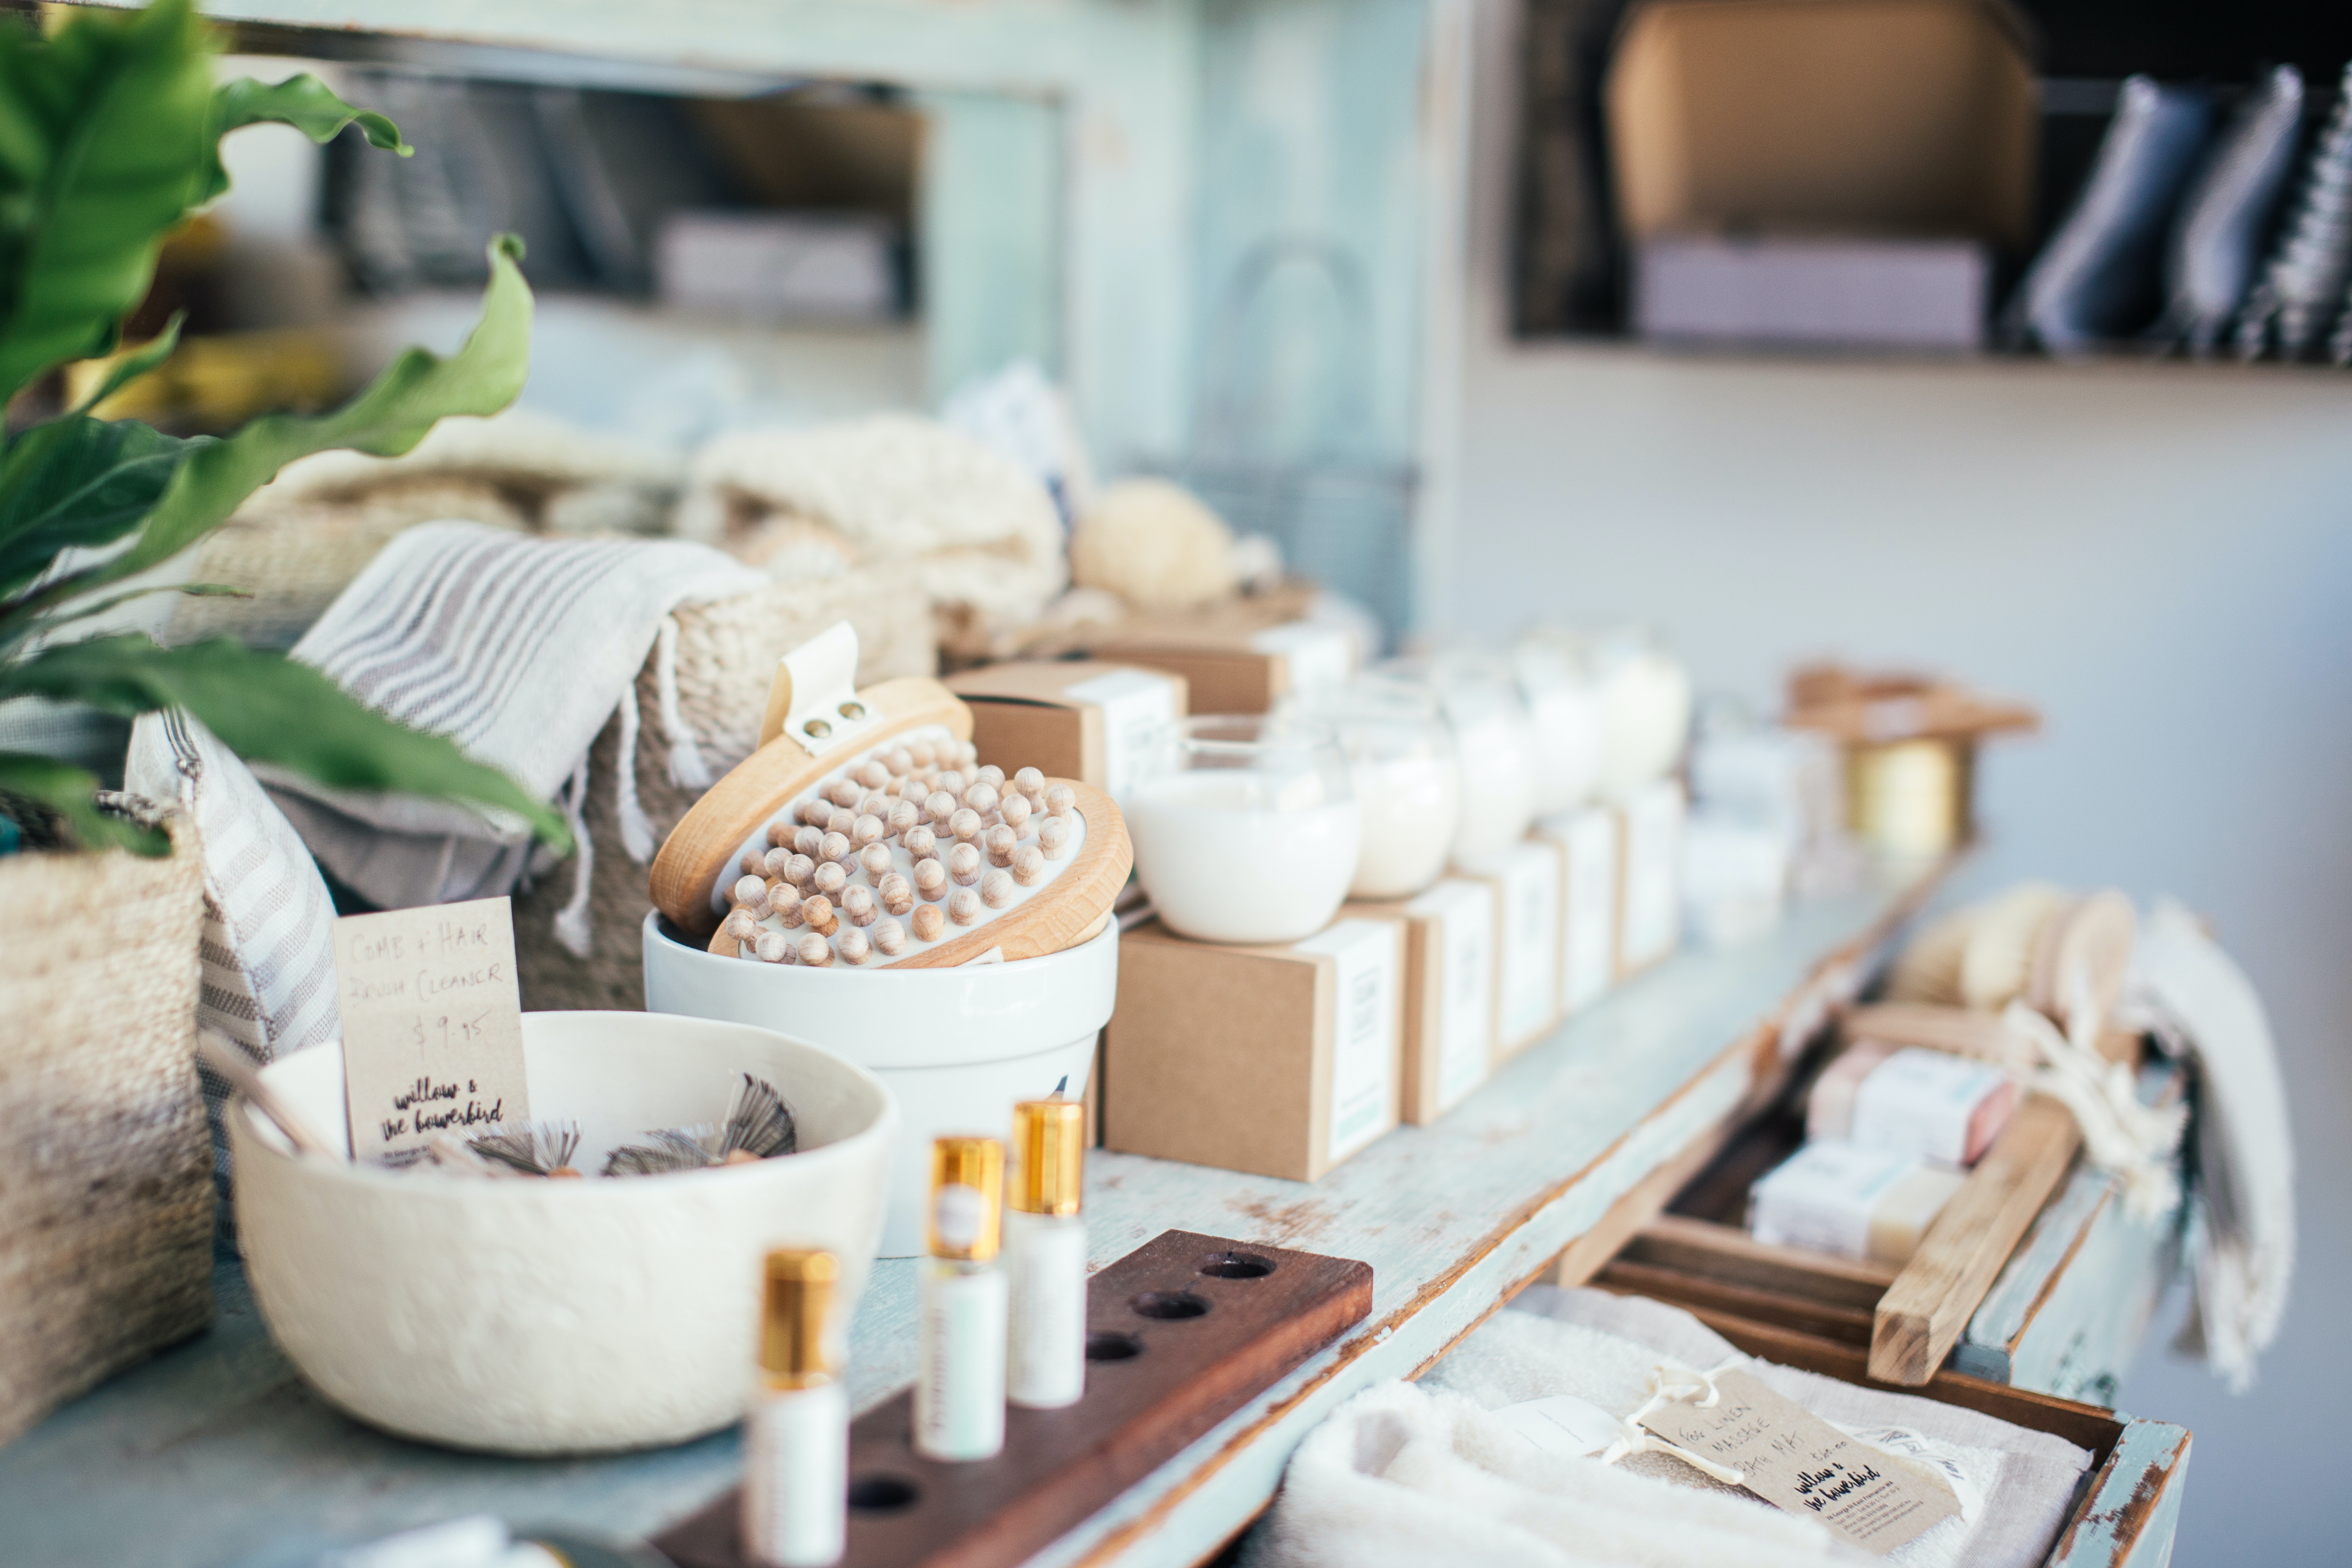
{"points": [[1183, 1332]]}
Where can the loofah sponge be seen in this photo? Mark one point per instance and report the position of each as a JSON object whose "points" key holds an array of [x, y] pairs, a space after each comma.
{"points": [[978, 534], [1155, 546]]}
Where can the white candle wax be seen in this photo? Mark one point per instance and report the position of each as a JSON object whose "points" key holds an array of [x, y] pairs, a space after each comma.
{"points": [[1411, 806], [1229, 854], [1497, 751]]}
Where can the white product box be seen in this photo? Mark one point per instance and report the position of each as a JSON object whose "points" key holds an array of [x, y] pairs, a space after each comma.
{"points": [[1649, 846], [1449, 976], [1813, 293], [1588, 947], [773, 266], [1528, 879]]}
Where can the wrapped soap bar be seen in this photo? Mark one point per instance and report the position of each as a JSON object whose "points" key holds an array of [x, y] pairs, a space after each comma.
{"points": [[1871, 1205], [1911, 1101]]}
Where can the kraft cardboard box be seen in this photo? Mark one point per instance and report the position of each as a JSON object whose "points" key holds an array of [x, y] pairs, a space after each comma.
{"points": [[1586, 838], [1074, 718], [1825, 117], [1527, 880], [1452, 972], [1281, 1062], [1649, 855], [1237, 668]]}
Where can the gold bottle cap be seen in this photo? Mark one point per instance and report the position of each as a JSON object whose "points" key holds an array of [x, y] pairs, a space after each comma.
{"points": [[967, 1193], [1049, 1143], [795, 1308]]}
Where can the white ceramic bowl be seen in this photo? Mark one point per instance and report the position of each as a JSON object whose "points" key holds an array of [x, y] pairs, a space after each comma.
{"points": [[544, 1317], [958, 1047]]}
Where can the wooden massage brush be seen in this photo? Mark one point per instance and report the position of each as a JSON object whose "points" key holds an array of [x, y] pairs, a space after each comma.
{"points": [[2034, 944], [861, 832]]}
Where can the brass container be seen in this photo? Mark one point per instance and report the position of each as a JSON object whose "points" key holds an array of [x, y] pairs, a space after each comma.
{"points": [[795, 1311], [1911, 800]]}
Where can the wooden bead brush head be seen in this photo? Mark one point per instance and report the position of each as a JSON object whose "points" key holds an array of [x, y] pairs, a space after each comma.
{"points": [[862, 833]]}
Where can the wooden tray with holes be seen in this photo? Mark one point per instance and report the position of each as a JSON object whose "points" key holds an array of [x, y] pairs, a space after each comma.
{"points": [[702, 854], [1183, 1332]]}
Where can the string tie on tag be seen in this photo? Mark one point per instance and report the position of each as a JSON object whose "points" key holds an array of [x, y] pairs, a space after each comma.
{"points": [[1671, 1382], [2120, 1134]]}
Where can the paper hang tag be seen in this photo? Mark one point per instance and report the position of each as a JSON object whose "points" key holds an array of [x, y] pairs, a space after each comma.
{"points": [[1801, 1465], [432, 1024]]}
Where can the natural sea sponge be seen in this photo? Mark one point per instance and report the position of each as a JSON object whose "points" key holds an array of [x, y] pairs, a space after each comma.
{"points": [[1155, 546]]}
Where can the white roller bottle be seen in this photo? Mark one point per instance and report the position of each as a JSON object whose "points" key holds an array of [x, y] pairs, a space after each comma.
{"points": [[1045, 1255], [960, 1370], [796, 1438]]}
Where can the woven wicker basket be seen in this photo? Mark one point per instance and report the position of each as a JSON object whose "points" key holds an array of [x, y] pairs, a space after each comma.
{"points": [[726, 660], [292, 560], [106, 1192]]}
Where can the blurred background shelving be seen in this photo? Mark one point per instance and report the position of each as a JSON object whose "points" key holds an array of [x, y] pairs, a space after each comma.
{"points": [[1570, 263]]}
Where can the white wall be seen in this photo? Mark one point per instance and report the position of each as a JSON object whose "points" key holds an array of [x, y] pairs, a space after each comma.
{"points": [[2159, 556]]}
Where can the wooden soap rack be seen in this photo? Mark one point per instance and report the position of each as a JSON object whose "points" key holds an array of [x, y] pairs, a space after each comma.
{"points": [[1905, 1320], [1182, 1333]]}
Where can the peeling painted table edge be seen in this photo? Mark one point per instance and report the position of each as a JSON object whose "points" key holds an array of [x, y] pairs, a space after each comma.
{"points": [[2132, 1516]]}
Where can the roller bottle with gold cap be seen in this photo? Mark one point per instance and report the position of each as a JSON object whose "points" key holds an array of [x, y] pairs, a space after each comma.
{"points": [[960, 1373], [796, 1440], [1046, 1255]]}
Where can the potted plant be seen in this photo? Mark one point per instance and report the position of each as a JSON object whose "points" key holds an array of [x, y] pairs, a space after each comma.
{"points": [[110, 131]]}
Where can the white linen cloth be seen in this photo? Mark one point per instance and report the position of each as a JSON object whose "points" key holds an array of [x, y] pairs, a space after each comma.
{"points": [[268, 952], [2198, 1003], [518, 650], [1417, 1473]]}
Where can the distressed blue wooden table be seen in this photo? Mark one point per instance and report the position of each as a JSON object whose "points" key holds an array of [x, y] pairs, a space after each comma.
{"points": [[216, 1455]]}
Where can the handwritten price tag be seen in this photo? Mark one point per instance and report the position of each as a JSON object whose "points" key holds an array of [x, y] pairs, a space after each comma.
{"points": [[1798, 1462], [432, 1023]]}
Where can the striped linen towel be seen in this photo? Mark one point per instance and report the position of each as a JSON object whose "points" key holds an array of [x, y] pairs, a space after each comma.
{"points": [[267, 950], [519, 649]]}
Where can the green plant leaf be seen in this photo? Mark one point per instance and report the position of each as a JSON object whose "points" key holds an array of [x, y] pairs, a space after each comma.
{"points": [[130, 367], [73, 794], [77, 481], [303, 102], [15, 630], [269, 709], [389, 419], [103, 146]]}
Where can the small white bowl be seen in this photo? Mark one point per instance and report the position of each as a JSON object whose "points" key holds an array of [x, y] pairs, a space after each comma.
{"points": [[958, 1048], [553, 1317]]}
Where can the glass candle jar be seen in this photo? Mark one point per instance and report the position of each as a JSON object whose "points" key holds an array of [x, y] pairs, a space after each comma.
{"points": [[1565, 708], [1645, 700], [1407, 782], [1493, 743], [1248, 830]]}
